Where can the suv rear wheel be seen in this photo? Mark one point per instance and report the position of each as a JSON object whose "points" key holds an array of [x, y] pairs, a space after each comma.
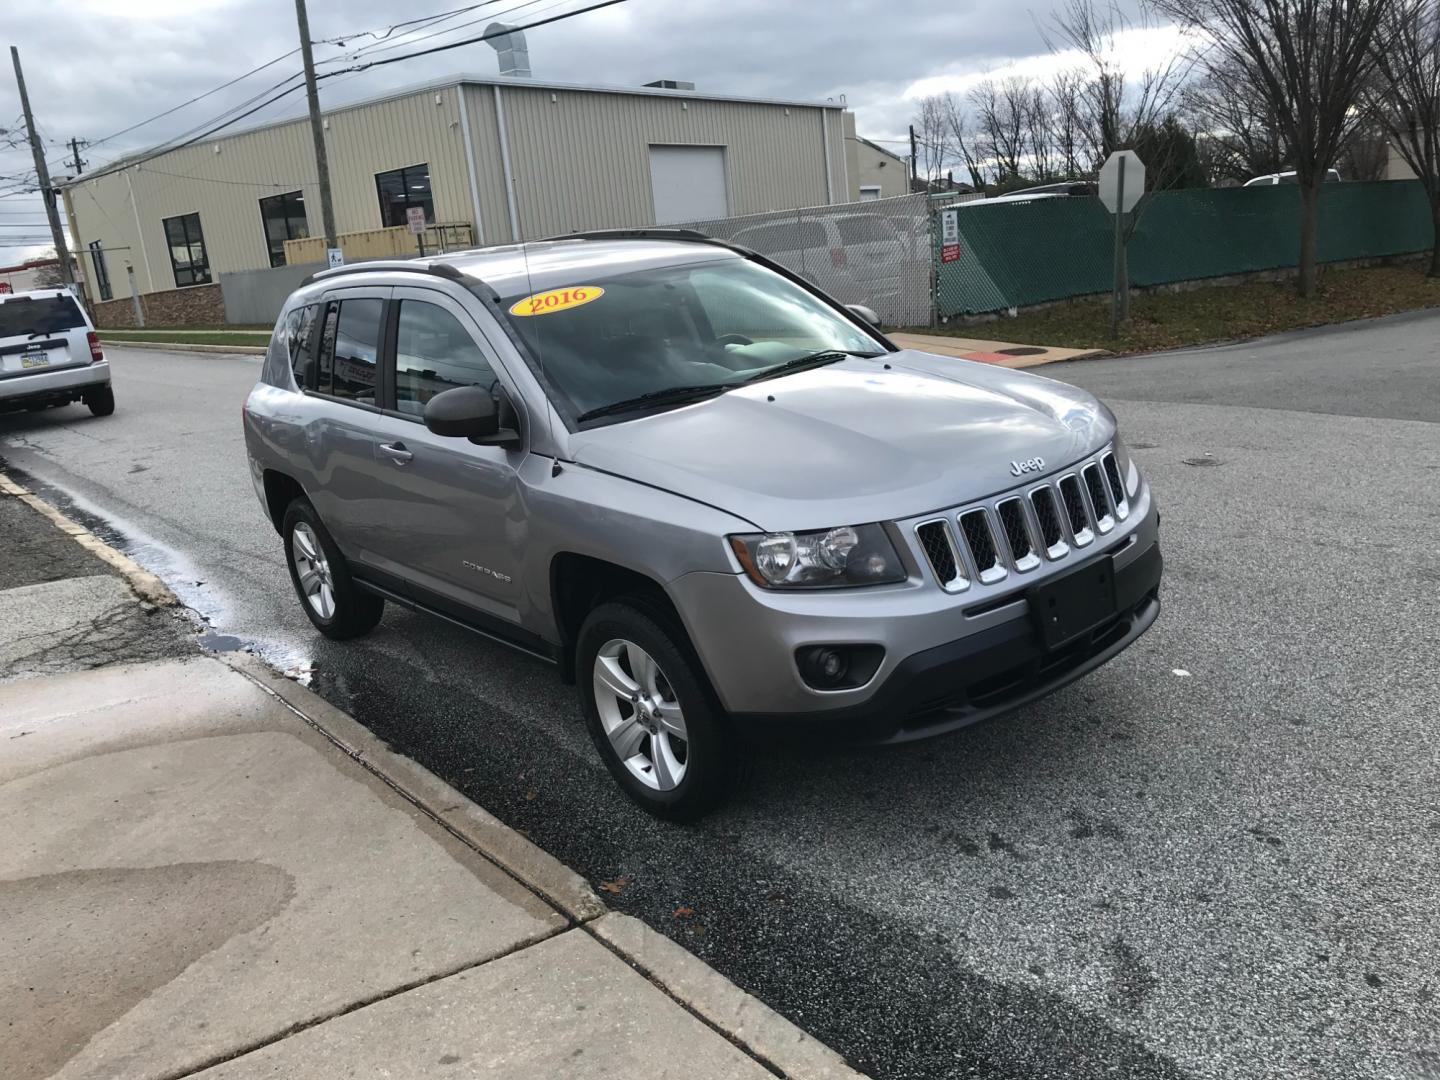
{"points": [[651, 713], [335, 604], [101, 401]]}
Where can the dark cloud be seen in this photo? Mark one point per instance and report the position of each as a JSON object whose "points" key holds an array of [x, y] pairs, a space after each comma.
{"points": [[96, 66]]}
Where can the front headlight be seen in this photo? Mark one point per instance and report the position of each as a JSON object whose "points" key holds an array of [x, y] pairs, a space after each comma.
{"points": [[831, 558]]}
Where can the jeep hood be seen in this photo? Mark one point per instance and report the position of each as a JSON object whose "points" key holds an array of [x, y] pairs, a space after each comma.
{"points": [[854, 442]]}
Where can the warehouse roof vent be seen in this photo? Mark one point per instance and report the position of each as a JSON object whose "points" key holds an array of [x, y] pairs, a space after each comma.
{"points": [[510, 45], [671, 84]]}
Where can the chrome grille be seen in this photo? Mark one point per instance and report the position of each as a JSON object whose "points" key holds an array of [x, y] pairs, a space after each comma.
{"points": [[981, 540], [939, 547], [1020, 531], [1117, 487], [1099, 501], [1047, 517], [1017, 535], [1075, 511]]}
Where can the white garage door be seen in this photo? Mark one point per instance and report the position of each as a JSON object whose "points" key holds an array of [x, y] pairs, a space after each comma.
{"points": [[688, 183]]}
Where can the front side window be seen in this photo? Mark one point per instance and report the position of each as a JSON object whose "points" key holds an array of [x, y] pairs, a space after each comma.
{"points": [[349, 344], [283, 218], [705, 325], [433, 353], [186, 245], [102, 272], [401, 189]]}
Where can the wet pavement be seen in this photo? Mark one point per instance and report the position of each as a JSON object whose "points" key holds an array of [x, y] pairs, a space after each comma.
{"points": [[1217, 856]]}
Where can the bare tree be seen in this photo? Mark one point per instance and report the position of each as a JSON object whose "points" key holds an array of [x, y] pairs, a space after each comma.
{"points": [[1404, 95], [1238, 135], [1115, 104], [1065, 123], [932, 137], [1001, 115], [1307, 60], [1039, 124], [961, 138]]}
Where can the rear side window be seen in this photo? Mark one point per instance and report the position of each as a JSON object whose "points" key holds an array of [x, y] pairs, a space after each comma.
{"points": [[349, 343], [300, 342], [39, 315]]}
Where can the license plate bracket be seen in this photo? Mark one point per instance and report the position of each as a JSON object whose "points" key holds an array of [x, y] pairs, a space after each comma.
{"points": [[1073, 605]]}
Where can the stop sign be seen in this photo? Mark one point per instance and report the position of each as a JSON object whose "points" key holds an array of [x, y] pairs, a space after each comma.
{"points": [[1110, 181]]}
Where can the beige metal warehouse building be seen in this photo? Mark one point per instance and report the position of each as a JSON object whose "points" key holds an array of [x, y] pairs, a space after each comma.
{"points": [[489, 159]]}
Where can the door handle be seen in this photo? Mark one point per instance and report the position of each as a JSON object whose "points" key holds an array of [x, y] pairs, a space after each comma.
{"points": [[396, 452]]}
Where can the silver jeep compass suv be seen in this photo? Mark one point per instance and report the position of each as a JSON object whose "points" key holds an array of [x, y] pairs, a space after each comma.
{"points": [[716, 499]]}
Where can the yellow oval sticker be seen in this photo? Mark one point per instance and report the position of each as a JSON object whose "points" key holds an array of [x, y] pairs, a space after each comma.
{"points": [[546, 303]]}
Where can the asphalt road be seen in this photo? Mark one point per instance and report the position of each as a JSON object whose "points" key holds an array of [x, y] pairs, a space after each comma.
{"points": [[1219, 856]]}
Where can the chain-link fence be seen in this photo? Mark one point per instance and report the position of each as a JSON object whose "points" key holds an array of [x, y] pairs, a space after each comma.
{"points": [[878, 252]]}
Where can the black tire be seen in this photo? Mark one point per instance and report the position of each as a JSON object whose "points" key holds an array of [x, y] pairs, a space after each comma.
{"points": [[352, 611], [713, 757], [100, 401]]}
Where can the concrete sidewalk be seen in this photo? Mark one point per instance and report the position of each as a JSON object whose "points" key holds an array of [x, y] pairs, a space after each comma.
{"points": [[210, 871], [1000, 353]]}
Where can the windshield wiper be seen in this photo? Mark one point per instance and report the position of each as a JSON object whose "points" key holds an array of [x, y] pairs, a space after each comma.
{"points": [[809, 360], [672, 395]]}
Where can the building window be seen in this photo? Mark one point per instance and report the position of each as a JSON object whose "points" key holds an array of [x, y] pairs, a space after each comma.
{"points": [[102, 273], [869, 192], [401, 189], [187, 250], [283, 217]]}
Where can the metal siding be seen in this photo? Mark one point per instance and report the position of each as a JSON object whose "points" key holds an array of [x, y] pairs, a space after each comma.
{"points": [[580, 161], [560, 149]]}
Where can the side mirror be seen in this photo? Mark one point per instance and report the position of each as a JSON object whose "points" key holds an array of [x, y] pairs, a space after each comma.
{"points": [[468, 412], [868, 314]]}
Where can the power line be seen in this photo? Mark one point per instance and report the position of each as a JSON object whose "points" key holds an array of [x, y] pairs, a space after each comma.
{"points": [[480, 37], [378, 48], [198, 97]]}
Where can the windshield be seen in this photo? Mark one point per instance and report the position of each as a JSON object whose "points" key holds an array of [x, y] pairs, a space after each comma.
{"points": [[610, 338], [23, 315]]}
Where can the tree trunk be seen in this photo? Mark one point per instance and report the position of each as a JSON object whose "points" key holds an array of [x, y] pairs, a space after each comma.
{"points": [[1309, 228]]}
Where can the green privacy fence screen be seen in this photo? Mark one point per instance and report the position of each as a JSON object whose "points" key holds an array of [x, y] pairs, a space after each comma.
{"points": [[1015, 254]]}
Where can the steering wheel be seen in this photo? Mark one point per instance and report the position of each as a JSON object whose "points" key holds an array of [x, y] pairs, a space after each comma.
{"points": [[733, 339]]}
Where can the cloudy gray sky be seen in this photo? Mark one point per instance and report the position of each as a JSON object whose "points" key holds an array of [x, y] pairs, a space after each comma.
{"points": [[97, 66]]}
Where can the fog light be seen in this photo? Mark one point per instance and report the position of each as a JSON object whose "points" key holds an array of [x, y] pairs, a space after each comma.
{"points": [[838, 667]]}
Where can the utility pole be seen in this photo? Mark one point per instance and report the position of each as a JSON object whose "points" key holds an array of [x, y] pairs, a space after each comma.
{"points": [[75, 156], [42, 174], [317, 128], [914, 161]]}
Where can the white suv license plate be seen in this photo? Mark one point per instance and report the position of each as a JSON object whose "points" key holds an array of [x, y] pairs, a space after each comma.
{"points": [[39, 358]]}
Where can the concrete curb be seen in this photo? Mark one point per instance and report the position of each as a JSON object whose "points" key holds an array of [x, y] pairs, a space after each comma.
{"points": [[121, 343], [742, 1017], [545, 874], [145, 585]]}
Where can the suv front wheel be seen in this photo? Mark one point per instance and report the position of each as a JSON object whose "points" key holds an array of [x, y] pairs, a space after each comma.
{"points": [[651, 713], [335, 604]]}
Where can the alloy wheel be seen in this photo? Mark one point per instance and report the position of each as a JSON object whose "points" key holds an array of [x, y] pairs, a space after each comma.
{"points": [[313, 570], [641, 714]]}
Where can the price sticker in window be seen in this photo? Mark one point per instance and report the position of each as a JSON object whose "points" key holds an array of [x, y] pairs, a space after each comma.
{"points": [[547, 303]]}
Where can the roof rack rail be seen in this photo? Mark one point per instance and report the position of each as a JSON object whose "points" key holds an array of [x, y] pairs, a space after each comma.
{"points": [[638, 234], [439, 269]]}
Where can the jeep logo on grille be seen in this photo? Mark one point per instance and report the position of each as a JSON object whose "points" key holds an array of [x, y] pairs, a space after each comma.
{"points": [[1020, 468]]}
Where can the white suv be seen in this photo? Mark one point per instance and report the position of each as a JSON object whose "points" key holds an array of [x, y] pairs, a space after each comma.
{"points": [[50, 355]]}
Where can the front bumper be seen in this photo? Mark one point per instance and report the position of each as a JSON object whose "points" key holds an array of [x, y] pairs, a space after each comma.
{"points": [[943, 653], [981, 676], [63, 383]]}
